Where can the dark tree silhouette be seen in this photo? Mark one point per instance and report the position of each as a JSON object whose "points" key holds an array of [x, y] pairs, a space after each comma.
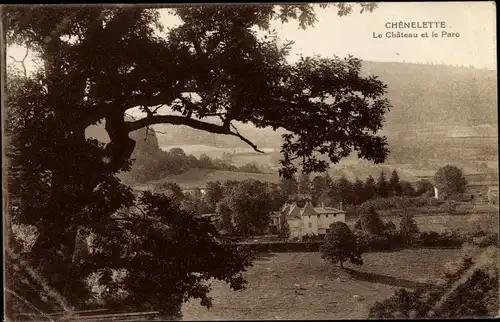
{"points": [[450, 180], [370, 188], [341, 245], [395, 184], [99, 63], [369, 221], [382, 186], [250, 203]]}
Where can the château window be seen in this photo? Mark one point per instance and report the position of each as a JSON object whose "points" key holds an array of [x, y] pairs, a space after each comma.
{"points": [[334, 215], [326, 216], [310, 225], [318, 216]]}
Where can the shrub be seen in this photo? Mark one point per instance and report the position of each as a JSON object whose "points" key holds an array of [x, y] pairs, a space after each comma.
{"points": [[471, 298], [403, 304], [371, 242], [434, 239], [476, 297], [488, 240]]}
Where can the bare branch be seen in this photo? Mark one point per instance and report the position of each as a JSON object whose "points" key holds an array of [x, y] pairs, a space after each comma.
{"points": [[22, 61], [242, 138], [196, 124]]}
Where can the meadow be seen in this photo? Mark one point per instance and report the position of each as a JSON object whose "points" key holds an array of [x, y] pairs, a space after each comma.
{"points": [[325, 292]]}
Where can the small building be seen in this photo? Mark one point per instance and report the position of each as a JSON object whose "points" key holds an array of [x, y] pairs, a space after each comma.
{"points": [[309, 220], [493, 195]]}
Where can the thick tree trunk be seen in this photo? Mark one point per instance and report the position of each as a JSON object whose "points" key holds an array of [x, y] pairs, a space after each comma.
{"points": [[54, 249], [341, 264]]}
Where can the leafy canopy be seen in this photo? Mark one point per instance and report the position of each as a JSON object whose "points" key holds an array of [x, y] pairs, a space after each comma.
{"points": [[98, 63], [200, 70], [450, 180], [340, 245]]}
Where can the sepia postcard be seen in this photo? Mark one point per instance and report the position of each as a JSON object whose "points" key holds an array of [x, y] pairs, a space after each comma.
{"points": [[252, 161]]}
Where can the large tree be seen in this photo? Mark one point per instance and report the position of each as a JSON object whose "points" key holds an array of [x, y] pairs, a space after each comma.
{"points": [[304, 183], [369, 220], [250, 202], [450, 180], [320, 186], [382, 185], [358, 188], [340, 245], [345, 190], [98, 63], [370, 189], [214, 194], [395, 184]]}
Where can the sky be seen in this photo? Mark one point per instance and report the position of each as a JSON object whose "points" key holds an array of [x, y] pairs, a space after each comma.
{"points": [[475, 22], [353, 34]]}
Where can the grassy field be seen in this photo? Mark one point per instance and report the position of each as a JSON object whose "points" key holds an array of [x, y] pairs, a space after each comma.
{"points": [[328, 292]]}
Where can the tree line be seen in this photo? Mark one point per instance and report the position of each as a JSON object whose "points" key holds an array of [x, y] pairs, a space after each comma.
{"points": [[325, 190], [244, 207]]}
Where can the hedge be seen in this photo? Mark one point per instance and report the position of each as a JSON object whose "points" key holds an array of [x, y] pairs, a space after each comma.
{"points": [[380, 243], [282, 247]]}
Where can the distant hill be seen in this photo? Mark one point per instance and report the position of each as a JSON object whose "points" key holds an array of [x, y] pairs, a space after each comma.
{"points": [[198, 178], [422, 96], [434, 94]]}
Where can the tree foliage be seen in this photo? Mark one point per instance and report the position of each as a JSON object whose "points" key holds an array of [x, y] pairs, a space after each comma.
{"points": [[320, 186], [370, 189], [341, 245], [408, 228], [450, 180], [382, 187], [97, 64], [370, 222], [214, 194], [424, 187], [224, 211], [476, 297], [137, 246], [250, 203], [395, 184], [211, 54], [284, 232]]}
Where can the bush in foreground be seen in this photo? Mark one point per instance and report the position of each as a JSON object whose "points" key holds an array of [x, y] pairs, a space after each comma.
{"points": [[476, 297]]}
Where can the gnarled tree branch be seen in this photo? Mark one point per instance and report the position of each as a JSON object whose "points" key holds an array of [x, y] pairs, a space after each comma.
{"points": [[196, 124]]}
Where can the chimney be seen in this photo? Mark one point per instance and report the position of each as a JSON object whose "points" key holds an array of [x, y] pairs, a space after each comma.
{"points": [[322, 206], [341, 206]]}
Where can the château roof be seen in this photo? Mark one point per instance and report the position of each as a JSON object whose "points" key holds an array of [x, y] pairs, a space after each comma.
{"points": [[308, 209], [328, 210], [292, 210]]}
